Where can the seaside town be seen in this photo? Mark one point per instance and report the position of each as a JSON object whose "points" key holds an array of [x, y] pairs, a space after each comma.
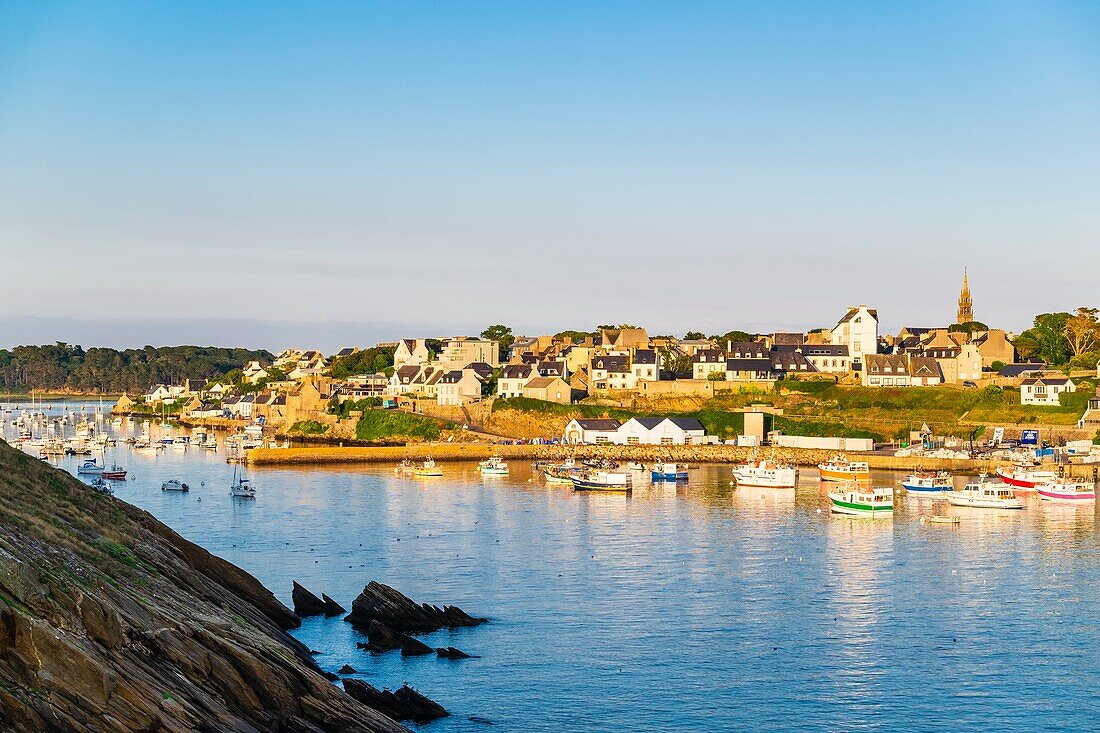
{"points": [[620, 385]]}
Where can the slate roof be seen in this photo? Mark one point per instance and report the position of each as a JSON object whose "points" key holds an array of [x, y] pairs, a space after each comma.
{"points": [[645, 356], [605, 423], [611, 363]]}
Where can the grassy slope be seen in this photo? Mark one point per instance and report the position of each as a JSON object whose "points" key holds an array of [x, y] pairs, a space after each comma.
{"points": [[381, 424]]}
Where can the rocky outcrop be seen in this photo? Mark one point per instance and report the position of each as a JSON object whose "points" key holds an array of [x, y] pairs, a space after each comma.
{"points": [[332, 608], [449, 652], [110, 621], [404, 704], [381, 603], [383, 639], [305, 603]]}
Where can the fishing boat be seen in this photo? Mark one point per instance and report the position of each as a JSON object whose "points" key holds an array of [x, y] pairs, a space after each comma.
{"points": [[115, 473], [766, 475], [406, 466], [90, 468], [241, 487], [928, 483], [495, 466], [601, 480], [427, 468], [102, 487], [942, 519], [174, 485], [841, 469], [669, 472], [984, 494], [856, 500], [1025, 479], [562, 474], [1067, 492]]}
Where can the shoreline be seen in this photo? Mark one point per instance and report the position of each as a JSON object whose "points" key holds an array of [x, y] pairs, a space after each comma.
{"points": [[723, 454]]}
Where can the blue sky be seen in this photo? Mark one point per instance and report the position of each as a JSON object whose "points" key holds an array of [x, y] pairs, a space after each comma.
{"points": [[245, 172]]}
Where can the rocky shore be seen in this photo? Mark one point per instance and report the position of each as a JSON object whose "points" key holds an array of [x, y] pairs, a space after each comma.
{"points": [[442, 452], [110, 621]]}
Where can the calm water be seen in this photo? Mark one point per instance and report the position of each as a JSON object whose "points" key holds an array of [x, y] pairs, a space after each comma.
{"points": [[695, 607]]}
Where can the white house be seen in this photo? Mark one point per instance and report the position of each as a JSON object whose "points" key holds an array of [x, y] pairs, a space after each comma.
{"points": [[660, 431], [707, 361], [646, 365], [411, 352], [158, 393], [886, 370], [611, 371], [858, 330], [828, 358], [253, 372], [1044, 390], [513, 378], [590, 431], [458, 387]]}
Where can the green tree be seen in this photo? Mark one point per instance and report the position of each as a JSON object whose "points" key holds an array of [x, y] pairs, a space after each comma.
{"points": [[500, 333], [1046, 339], [694, 336], [734, 335], [1082, 330]]}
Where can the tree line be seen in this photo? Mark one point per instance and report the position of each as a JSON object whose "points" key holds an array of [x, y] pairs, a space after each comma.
{"points": [[64, 366]]}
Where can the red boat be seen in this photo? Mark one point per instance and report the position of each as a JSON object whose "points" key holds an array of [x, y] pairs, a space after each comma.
{"points": [[115, 473], [1024, 477]]}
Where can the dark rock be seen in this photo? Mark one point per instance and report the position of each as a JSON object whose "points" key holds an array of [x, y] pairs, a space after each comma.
{"points": [[451, 653], [332, 608], [177, 640], [330, 676], [382, 603], [404, 704], [347, 669], [305, 603], [384, 639]]}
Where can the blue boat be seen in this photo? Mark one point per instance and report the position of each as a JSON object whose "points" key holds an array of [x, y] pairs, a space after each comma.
{"points": [[601, 481], [669, 472], [928, 482]]}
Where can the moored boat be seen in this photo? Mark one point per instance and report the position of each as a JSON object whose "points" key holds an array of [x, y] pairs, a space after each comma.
{"points": [[766, 475], [985, 495], [427, 469], [602, 480], [90, 468], [494, 466], [241, 487], [841, 469], [862, 501], [174, 485], [115, 473], [1025, 479], [928, 483], [1067, 492], [669, 472], [562, 474]]}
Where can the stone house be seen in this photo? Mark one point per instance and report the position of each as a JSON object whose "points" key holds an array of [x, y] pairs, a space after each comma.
{"points": [[548, 389]]}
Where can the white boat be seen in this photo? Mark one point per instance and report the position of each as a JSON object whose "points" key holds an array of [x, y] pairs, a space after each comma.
{"points": [[1025, 479], [494, 466], [100, 486], [242, 487], [174, 485], [767, 475], [858, 500], [428, 469], [1064, 491], [985, 495], [928, 483], [669, 472], [601, 480], [841, 469], [90, 468]]}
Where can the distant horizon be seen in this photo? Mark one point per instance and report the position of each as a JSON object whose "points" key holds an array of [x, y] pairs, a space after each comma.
{"points": [[332, 335]]}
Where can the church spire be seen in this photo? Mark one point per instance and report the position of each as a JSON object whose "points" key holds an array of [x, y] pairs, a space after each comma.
{"points": [[966, 305]]}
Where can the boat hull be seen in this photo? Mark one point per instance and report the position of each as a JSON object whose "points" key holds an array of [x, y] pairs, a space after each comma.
{"points": [[858, 509], [427, 472], [1058, 497], [678, 476], [983, 503], [928, 490], [839, 476], [585, 485]]}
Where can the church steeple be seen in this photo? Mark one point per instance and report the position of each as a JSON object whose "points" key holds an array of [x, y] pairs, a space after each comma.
{"points": [[966, 305]]}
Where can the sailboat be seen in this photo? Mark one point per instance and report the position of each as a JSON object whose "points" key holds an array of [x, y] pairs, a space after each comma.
{"points": [[242, 486]]}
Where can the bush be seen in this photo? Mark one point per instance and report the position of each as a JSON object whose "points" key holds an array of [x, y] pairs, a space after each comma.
{"points": [[716, 377], [309, 427]]}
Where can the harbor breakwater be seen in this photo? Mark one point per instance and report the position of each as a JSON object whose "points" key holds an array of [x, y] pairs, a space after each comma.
{"points": [[450, 452]]}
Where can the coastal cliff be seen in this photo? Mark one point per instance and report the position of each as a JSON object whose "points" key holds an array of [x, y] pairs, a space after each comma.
{"points": [[110, 621]]}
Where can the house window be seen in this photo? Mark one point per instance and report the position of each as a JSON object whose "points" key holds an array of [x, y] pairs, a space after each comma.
{"points": [[601, 439], [632, 440], [666, 441], [874, 380]]}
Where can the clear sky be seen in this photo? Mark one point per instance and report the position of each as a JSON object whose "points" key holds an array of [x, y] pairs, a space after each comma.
{"points": [[265, 174]]}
